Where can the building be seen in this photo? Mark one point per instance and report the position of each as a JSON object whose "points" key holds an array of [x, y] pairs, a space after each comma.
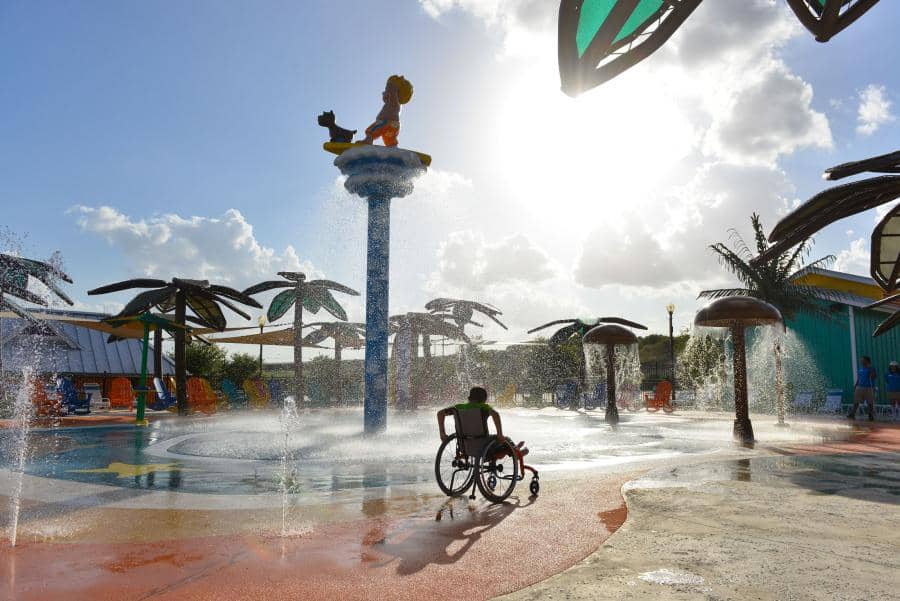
{"points": [[840, 336], [63, 345]]}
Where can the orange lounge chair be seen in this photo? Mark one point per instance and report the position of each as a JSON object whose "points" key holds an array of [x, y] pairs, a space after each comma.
{"points": [[200, 396], [44, 406], [661, 398], [121, 395]]}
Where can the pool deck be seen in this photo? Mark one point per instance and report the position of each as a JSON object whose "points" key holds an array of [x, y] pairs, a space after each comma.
{"points": [[719, 528]]}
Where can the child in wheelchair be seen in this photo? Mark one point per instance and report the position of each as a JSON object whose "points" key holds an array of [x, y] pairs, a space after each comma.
{"points": [[472, 457], [478, 400]]}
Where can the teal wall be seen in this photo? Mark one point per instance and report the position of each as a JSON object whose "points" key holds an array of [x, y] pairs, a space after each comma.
{"points": [[828, 341]]}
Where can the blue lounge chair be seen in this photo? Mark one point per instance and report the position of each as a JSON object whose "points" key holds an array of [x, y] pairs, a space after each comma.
{"points": [[276, 393], [73, 400], [235, 397], [163, 399], [565, 396], [597, 398]]}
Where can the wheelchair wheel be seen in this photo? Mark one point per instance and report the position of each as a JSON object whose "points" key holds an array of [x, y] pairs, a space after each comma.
{"points": [[452, 468], [499, 467]]}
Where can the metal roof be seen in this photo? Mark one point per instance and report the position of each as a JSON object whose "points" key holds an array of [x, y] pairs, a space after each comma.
{"points": [[66, 348]]}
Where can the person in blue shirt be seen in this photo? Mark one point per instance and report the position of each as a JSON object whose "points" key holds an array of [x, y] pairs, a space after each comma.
{"points": [[865, 388], [892, 380]]}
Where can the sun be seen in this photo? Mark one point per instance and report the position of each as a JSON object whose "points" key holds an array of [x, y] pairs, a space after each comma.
{"points": [[588, 156]]}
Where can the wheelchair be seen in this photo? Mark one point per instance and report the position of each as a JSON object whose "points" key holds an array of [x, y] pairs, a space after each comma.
{"points": [[471, 457]]}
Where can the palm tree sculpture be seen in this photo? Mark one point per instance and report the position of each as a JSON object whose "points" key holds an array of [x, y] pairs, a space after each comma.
{"points": [[406, 329], [14, 274], [312, 296], [461, 312], [577, 328], [774, 279], [345, 334], [203, 299]]}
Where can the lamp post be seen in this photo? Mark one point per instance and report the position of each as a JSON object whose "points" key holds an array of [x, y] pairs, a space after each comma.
{"points": [[262, 324], [670, 308]]}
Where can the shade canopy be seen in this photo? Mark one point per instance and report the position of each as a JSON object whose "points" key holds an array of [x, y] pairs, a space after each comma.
{"points": [[609, 334], [275, 338], [744, 310]]}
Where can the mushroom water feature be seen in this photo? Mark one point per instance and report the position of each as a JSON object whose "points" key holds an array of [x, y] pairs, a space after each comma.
{"points": [[603, 339], [737, 313]]}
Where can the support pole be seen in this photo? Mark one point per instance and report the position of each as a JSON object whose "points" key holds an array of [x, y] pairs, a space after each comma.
{"points": [[612, 410], [743, 429], [377, 268], [180, 367], [142, 395]]}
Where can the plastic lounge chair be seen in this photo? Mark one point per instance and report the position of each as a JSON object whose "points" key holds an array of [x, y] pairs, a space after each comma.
{"points": [[163, 399], [44, 405], [236, 398], [121, 394], [564, 396], [199, 398], [597, 398], [660, 398], [507, 396], [74, 401], [276, 394], [98, 401], [802, 401], [833, 400], [252, 392]]}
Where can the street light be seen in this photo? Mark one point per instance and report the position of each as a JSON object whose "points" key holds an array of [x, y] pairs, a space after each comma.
{"points": [[670, 308], [262, 323]]}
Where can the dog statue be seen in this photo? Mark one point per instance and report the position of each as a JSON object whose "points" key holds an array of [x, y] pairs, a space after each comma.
{"points": [[335, 132]]}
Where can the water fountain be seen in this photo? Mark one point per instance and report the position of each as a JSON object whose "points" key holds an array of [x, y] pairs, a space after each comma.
{"points": [[602, 341], [378, 174], [290, 419], [738, 313]]}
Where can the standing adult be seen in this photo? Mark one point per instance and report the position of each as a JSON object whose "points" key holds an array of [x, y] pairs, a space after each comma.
{"points": [[864, 391], [892, 381]]}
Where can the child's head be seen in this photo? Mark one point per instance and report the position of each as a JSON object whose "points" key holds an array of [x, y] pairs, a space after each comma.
{"points": [[402, 85], [895, 366], [866, 361], [478, 394]]}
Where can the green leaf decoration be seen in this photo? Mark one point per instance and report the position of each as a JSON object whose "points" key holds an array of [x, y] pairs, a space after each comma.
{"points": [[600, 39], [149, 299], [885, 267], [283, 301], [207, 309], [333, 307]]}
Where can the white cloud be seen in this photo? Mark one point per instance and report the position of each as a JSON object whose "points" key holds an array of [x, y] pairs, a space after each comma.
{"points": [[874, 110], [466, 261], [854, 259], [220, 249]]}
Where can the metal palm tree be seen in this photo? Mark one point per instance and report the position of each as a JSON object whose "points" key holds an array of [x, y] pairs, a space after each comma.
{"points": [[180, 294], [407, 328], [344, 334], [576, 328], [14, 275], [773, 278], [301, 294], [461, 312]]}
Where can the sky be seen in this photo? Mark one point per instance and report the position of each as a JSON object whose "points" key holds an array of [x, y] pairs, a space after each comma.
{"points": [[180, 139]]}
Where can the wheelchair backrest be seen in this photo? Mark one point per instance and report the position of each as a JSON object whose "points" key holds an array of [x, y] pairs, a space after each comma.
{"points": [[471, 428]]}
